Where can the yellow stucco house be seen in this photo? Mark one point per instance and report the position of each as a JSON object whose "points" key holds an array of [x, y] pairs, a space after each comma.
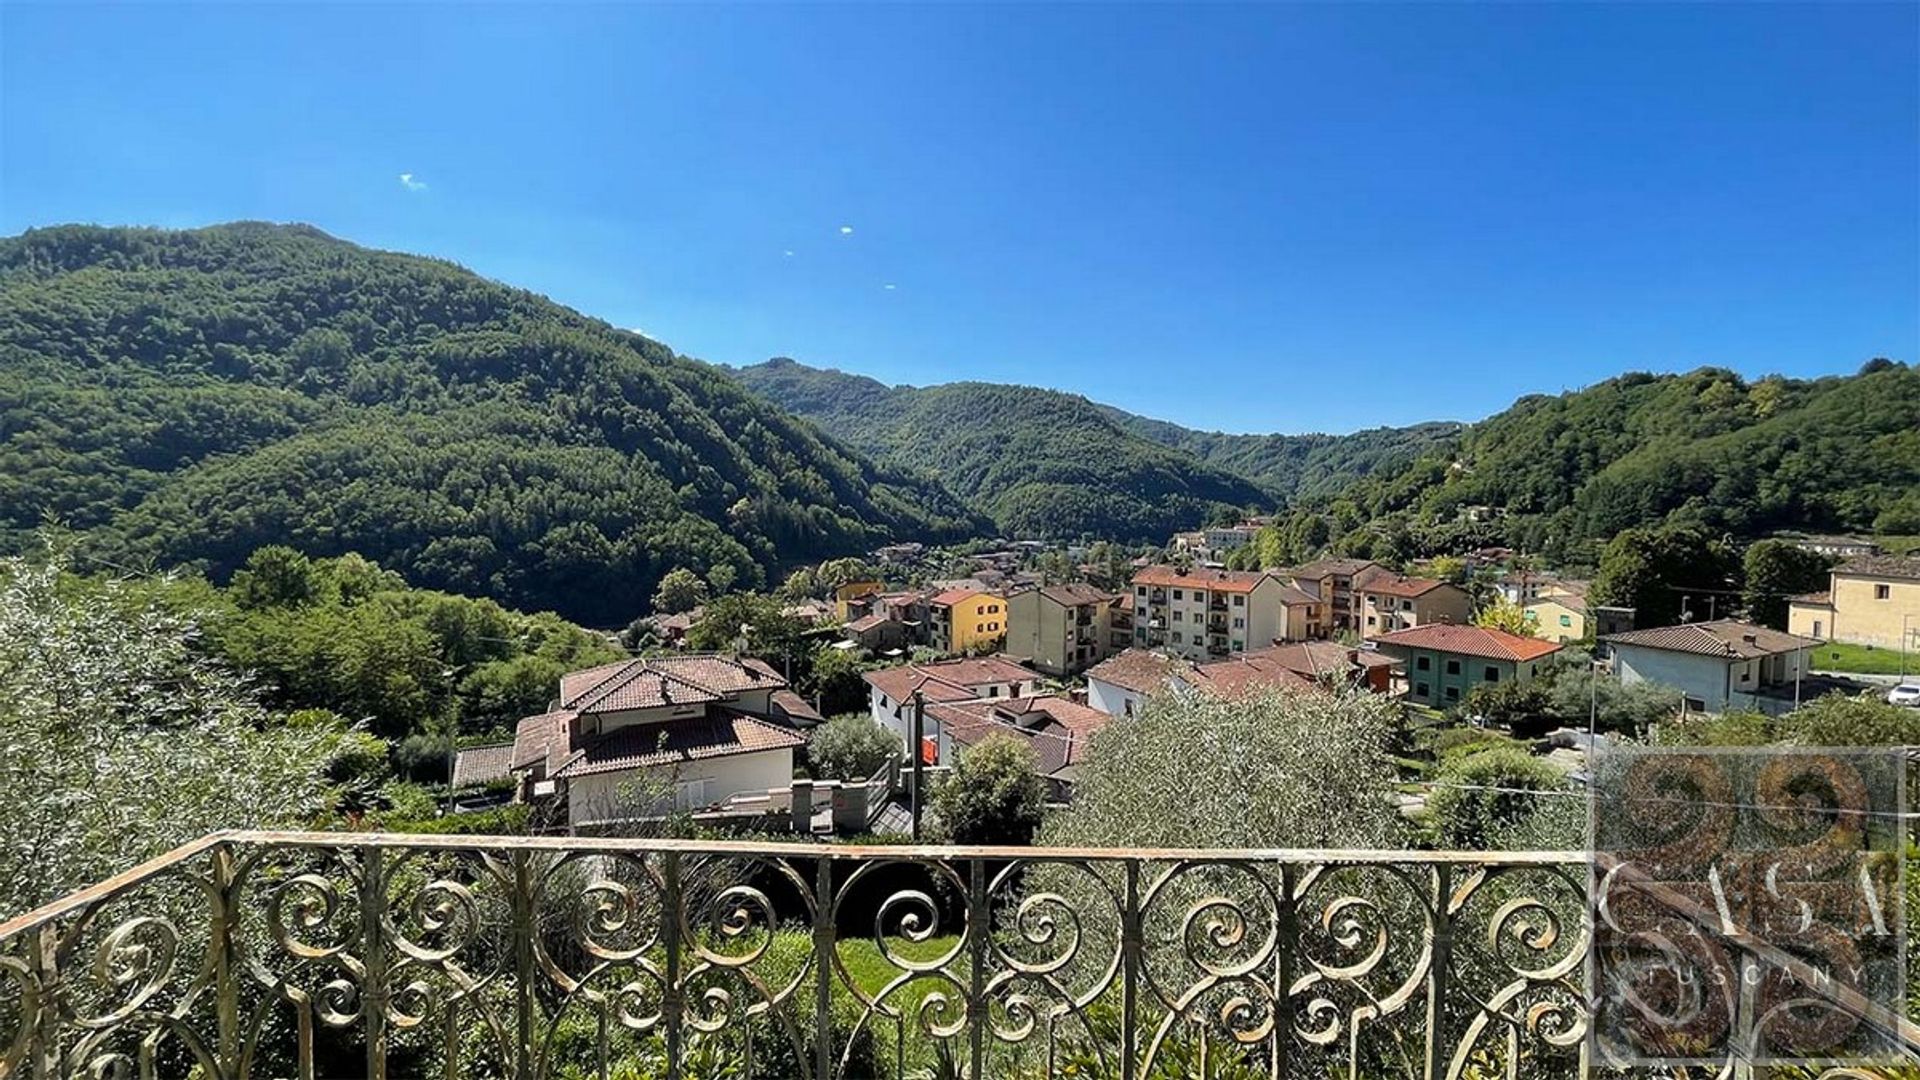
{"points": [[964, 620], [1559, 612], [846, 594], [1871, 600]]}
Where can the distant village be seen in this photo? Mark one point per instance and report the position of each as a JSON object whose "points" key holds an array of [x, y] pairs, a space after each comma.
{"points": [[1051, 645]]}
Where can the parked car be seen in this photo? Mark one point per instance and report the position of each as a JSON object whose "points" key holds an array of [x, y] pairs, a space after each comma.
{"points": [[1907, 694]]}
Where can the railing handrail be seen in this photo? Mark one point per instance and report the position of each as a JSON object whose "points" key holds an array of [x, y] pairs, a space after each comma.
{"points": [[770, 849]]}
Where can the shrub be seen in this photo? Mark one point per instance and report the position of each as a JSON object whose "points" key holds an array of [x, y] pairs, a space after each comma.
{"points": [[1485, 801], [994, 795], [850, 747]]}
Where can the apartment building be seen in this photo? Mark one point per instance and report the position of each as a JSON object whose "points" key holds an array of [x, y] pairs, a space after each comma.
{"points": [[1203, 614], [966, 620], [1332, 581], [1390, 602], [1065, 629]]}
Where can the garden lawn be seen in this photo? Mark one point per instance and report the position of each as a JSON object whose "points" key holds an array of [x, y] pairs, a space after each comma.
{"points": [[1860, 659]]}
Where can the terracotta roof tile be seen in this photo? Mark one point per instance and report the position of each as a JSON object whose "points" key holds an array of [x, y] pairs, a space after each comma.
{"points": [[1138, 670], [482, 764], [948, 680], [721, 733], [1401, 585], [1891, 566], [1727, 638], [1233, 581], [1470, 641]]}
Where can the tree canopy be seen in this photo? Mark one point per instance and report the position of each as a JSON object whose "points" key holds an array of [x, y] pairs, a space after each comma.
{"points": [[192, 396]]}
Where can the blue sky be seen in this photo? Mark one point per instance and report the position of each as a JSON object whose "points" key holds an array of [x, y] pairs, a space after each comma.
{"points": [[1249, 218]]}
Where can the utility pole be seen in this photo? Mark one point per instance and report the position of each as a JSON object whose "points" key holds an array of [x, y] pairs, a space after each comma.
{"points": [[913, 785]]}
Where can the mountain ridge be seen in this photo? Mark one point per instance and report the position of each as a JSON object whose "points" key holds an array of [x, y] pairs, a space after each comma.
{"points": [[186, 396]]}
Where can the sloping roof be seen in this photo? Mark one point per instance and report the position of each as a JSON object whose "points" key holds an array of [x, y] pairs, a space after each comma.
{"points": [[1058, 729], [869, 622], [1137, 670], [1332, 568], [1075, 594], [1729, 639], [1470, 641], [481, 764], [795, 707], [535, 736], [1890, 566], [1293, 594], [1813, 599], [721, 733], [947, 680], [1318, 658], [1199, 578], [650, 682], [955, 596], [1400, 585], [1241, 677]]}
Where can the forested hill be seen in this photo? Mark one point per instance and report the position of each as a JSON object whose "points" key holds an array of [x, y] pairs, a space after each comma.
{"points": [[1564, 473], [1298, 466], [1039, 462], [193, 395]]}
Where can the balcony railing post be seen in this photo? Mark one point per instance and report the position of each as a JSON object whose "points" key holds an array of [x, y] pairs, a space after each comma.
{"points": [[45, 946], [524, 927], [823, 949], [1439, 971], [979, 927], [1287, 941], [670, 1005], [221, 936], [1130, 946], [373, 895]]}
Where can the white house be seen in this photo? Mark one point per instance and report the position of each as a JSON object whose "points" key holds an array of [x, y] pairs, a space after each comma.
{"points": [[1716, 666], [713, 725], [1120, 685], [981, 678]]}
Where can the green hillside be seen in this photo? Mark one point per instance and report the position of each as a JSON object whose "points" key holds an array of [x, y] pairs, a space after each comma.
{"points": [[189, 396], [1564, 473], [1298, 466], [1039, 462]]}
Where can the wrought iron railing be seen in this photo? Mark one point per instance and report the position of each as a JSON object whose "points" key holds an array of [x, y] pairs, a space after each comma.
{"points": [[324, 954]]}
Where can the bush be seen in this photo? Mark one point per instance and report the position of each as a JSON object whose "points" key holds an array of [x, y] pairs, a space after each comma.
{"points": [[1507, 703], [994, 795], [421, 758], [1484, 801], [850, 747]]}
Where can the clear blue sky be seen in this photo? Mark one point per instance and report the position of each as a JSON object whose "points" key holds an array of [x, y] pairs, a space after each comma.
{"points": [[1249, 218]]}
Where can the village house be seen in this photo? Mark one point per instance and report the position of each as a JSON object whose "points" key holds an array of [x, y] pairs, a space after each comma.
{"points": [[966, 620], [1390, 602], [1203, 614], [1870, 600], [1557, 611], [1332, 580], [890, 691], [1064, 629], [1839, 547], [1120, 685], [1444, 662], [1716, 666], [636, 738], [846, 596], [1058, 730]]}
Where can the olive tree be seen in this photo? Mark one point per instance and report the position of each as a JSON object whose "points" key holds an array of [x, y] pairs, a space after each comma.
{"points": [[850, 747], [120, 739]]}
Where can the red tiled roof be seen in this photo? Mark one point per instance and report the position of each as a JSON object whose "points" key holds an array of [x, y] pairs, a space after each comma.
{"points": [[868, 622], [948, 680], [1058, 729], [1728, 638], [480, 764], [954, 596], [795, 707], [1401, 585], [1237, 581], [1241, 677], [1470, 641], [1314, 659], [1076, 593], [722, 733], [650, 682], [535, 737], [1137, 670], [1332, 568], [1813, 599]]}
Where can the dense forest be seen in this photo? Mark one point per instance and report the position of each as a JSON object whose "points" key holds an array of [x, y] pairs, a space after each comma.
{"points": [[190, 396], [1038, 462], [1298, 466], [1708, 450]]}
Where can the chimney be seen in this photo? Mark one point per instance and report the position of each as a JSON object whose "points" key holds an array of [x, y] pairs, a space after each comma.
{"points": [[1749, 638]]}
